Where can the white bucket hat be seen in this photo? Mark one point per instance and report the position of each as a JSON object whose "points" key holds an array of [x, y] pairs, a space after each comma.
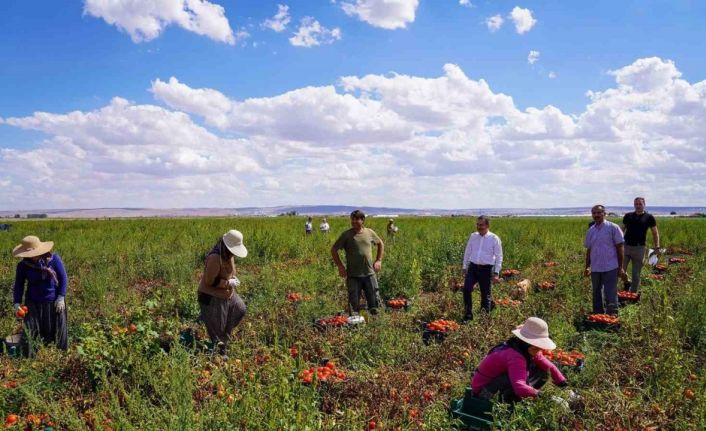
{"points": [[233, 240], [31, 246], [535, 332]]}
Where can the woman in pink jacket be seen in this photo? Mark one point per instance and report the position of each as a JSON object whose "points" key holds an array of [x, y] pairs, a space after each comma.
{"points": [[517, 369]]}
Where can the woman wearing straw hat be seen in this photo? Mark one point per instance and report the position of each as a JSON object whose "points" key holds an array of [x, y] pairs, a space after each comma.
{"points": [[221, 308], [44, 274], [517, 369]]}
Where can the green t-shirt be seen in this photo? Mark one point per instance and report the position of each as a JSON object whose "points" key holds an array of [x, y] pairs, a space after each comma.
{"points": [[359, 251]]}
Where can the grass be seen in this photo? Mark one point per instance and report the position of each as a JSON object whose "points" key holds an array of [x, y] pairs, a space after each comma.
{"points": [[145, 272]]}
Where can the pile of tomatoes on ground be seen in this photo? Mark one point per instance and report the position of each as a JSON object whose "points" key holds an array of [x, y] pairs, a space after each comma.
{"points": [[326, 373], [628, 295], [507, 302], [441, 325], [658, 277], [510, 273], [564, 358], [22, 312], [397, 303], [333, 321], [603, 318], [546, 285], [677, 260], [296, 297], [660, 267], [550, 264], [31, 420]]}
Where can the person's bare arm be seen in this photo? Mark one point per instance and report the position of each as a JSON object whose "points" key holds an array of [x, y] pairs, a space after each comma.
{"points": [[587, 271], [619, 249], [338, 262], [378, 258], [655, 239]]}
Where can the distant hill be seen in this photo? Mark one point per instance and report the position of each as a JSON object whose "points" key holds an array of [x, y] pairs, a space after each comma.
{"points": [[331, 210]]}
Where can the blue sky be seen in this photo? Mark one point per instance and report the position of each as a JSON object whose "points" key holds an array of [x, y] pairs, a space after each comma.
{"points": [[54, 58]]}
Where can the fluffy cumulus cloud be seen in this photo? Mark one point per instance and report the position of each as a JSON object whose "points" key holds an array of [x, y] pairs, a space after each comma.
{"points": [[387, 14], [280, 21], [449, 133], [523, 19], [144, 20], [312, 33], [494, 22], [533, 57]]}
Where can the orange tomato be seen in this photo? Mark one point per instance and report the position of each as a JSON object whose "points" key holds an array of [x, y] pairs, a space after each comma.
{"points": [[132, 328], [11, 419], [372, 425], [689, 394], [20, 313]]}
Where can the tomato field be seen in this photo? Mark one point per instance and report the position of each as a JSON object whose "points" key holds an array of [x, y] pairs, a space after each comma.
{"points": [[138, 359]]}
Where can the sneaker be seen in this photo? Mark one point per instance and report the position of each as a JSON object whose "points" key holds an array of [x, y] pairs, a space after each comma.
{"points": [[467, 317]]}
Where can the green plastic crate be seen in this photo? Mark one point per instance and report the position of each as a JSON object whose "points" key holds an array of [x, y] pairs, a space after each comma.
{"points": [[475, 413]]}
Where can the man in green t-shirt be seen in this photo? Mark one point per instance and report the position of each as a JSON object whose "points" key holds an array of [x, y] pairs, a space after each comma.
{"points": [[360, 268]]}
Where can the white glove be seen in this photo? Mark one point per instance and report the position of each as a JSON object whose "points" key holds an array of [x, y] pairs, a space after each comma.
{"points": [[60, 304], [16, 307], [233, 282], [560, 402]]}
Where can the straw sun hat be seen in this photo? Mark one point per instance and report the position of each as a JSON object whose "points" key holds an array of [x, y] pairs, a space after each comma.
{"points": [[31, 246], [535, 332], [233, 240]]}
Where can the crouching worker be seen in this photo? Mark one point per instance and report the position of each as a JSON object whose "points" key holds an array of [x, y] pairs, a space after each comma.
{"points": [[46, 280], [516, 369], [221, 308]]}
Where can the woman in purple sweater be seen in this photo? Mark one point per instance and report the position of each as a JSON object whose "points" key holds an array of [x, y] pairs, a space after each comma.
{"points": [[517, 369], [46, 280]]}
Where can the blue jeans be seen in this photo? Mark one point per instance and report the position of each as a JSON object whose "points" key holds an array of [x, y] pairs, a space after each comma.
{"points": [[605, 290]]}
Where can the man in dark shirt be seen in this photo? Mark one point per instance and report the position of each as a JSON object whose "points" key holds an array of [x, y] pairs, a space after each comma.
{"points": [[635, 225]]}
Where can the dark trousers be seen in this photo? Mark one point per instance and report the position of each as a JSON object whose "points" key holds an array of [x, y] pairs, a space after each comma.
{"points": [[369, 286], [44, 323], [605, 291], [481, 274], [502, 385]]}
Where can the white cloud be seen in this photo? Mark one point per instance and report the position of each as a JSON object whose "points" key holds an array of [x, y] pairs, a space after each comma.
{"points": [[494, 22], [466, 3], [387, 14], [448, 132], [551, 75], [523, 19], [278, 22], [533, 57], [311, 33], [145, 20]]}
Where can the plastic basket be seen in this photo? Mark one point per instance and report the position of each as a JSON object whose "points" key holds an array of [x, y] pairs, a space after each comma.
{"points": [[14, 346], [627, 301], [474, 413], [586, 325]]}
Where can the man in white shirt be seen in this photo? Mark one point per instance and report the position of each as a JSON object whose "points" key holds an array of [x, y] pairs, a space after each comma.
{"points": [[482, 261]]}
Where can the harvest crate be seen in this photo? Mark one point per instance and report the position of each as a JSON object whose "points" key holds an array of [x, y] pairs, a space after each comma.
{"points": [[627, 301], [583, 324], [14, 346], [405, 307], [474, 413]]}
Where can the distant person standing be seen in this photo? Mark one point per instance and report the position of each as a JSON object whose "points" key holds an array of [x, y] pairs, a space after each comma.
{"points": [[308, 226], [482, 261], [635, 226], [391, 228], [360, 269], [46, 281], [604, 261], [324, 226]]}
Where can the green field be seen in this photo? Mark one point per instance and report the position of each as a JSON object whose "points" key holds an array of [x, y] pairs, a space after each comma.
{"points": [[146, 272]]}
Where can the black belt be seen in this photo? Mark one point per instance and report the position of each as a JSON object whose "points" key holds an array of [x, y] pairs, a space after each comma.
{"points": [[481, 266]]}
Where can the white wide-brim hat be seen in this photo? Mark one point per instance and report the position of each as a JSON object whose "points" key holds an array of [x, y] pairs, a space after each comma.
{"points": [[535, 332], [233, 240], [31, 246]]}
